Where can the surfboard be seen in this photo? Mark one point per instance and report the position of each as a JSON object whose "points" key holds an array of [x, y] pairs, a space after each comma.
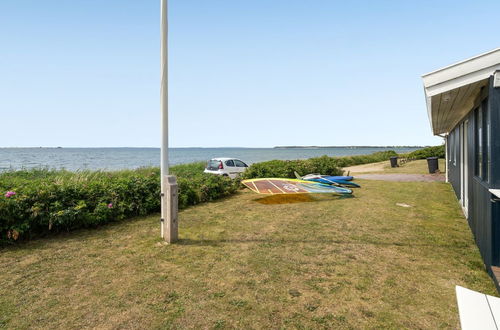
{"points": [[329, 179], [273, 186]]}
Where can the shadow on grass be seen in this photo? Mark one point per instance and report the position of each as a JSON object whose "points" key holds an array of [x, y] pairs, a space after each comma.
{"points": [[296, 198]]}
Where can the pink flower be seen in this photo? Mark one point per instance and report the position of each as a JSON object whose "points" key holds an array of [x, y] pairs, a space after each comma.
{"points": [[110, 205], [10, 194]]}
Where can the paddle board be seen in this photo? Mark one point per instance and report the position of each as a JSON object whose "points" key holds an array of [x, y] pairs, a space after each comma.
{"points": [[272, 186]]}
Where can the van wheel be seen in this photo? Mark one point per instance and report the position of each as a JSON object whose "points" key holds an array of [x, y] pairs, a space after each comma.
{"points": [[225, 175]]}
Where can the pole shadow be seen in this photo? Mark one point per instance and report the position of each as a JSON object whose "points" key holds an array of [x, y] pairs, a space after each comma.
{"points": [[298, 198]]}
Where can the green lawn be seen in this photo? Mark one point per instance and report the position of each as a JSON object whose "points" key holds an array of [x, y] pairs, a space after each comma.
{"points": [[252, 262], [413, 167], [416, 166]]}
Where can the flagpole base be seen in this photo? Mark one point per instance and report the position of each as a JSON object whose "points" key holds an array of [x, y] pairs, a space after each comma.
{"points": [[169, 210]]}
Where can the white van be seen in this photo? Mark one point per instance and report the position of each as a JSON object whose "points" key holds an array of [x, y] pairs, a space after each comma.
{"points": [[230, 167]]}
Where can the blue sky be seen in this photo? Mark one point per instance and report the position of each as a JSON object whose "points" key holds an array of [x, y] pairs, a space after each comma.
{"points": [[85, 73]]}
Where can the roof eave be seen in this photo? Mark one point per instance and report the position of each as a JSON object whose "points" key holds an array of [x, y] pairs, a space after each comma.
{"points": [[444, 80]]}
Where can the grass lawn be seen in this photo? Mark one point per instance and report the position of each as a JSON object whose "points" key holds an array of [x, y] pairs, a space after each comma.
{"points": [[413, 167], [253, 262]]}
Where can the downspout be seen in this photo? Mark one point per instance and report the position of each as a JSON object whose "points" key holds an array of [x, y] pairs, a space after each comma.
{"points": [[445, 138]]}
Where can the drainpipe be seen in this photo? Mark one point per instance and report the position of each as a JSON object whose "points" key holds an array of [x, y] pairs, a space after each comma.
{"points": [[445, 138]]}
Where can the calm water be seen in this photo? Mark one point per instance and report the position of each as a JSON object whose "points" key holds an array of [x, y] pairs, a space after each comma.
{"points": [[122, 158]]}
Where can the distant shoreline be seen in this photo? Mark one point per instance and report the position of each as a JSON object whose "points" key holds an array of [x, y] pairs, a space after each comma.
{"points": [[349, 147], [276, 147]]}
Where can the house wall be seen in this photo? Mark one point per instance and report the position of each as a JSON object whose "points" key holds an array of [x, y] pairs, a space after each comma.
{"points": [[483, 212], [494, 110]]}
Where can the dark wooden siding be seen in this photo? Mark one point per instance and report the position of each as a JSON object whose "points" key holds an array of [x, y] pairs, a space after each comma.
{"points": [[480, 218], [483, 211], [494, 110]]}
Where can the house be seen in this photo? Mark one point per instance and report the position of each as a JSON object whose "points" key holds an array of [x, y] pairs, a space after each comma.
{"points": [[463, 105]]}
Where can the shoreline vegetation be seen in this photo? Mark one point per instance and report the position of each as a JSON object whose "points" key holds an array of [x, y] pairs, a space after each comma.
{"points": [[40, 202], [275, 147], [349, 147]]}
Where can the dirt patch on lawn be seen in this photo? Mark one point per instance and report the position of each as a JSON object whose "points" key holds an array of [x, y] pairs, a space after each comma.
{"points": [[365, 168]]}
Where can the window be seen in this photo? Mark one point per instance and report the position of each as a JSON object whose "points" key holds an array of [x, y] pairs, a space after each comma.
{"points": [[239, 163], [213, 165], [482, 141], [230, 163]]}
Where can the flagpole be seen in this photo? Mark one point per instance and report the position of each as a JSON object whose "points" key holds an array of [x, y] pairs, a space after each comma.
{"points": [[164, 90]]}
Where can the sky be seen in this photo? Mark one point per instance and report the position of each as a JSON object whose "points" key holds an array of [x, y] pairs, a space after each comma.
{"points": [[261, 73]]}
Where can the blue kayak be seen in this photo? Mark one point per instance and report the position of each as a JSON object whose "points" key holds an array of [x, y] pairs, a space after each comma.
{"points": [[329, 179]]}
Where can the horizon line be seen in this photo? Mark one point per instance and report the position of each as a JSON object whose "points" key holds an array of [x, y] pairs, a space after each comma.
{"points": [[224, 147]]}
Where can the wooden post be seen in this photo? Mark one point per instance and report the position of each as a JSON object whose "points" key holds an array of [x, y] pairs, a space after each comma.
{"points": [[169, 210]]}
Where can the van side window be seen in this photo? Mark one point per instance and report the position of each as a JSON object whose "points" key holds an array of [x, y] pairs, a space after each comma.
{"points": [[240, 163], [230, 163]]}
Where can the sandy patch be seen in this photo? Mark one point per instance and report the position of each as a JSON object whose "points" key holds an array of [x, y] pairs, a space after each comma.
{"points": [[372, 167]]}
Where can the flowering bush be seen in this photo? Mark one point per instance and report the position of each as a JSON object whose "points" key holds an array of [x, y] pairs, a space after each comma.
{"points": [[37, 202]]}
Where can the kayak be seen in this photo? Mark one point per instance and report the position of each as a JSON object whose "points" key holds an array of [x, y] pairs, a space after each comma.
{"points": [[329, 179]]}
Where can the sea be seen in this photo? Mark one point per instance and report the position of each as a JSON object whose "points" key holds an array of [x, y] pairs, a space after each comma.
{"points": [[75, 159]]}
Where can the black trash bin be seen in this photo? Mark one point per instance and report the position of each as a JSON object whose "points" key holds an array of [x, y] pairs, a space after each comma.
{"points": [[432, 163], [394, 161]]}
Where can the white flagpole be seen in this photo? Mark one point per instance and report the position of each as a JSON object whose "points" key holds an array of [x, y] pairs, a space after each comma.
{"points": [[168, 183], [164, 90]]}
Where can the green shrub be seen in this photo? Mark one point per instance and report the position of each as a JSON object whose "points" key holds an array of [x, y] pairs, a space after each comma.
{"points": [[324, 165], [437, 151], [52, 201], [286, 168], [365, 159]]}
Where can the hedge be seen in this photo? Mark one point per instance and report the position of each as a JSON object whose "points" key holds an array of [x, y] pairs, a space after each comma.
{"points": [[437, 151], [324, 165], [36, 202]]}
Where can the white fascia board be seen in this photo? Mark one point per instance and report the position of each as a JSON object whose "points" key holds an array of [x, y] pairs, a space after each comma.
{"points": [[473, 64], [462, 80], [428, 102]]}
